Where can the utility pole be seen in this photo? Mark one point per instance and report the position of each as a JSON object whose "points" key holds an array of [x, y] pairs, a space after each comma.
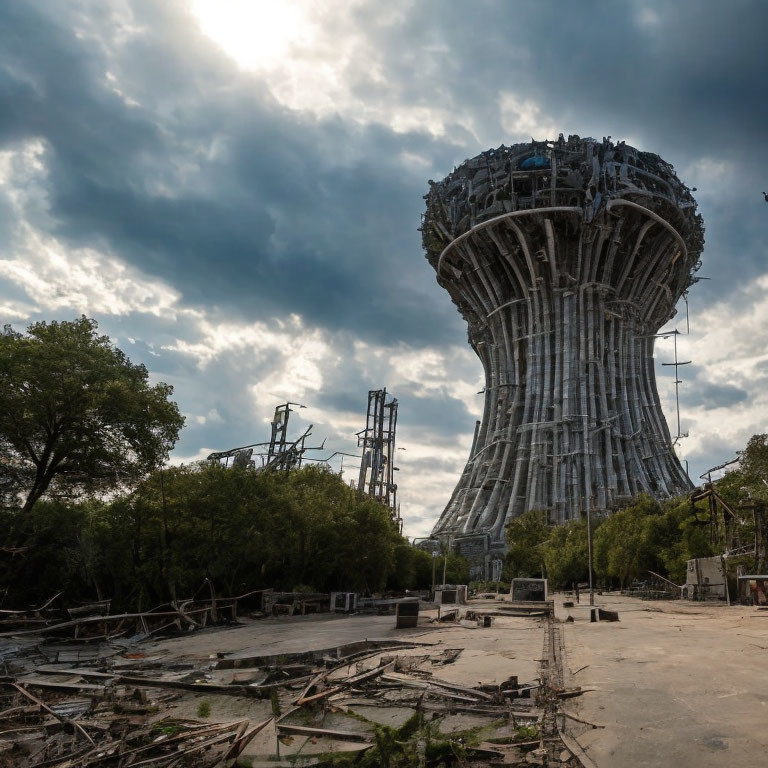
{"points": [[445, 558], [434, 563], [678, 382], [589, 549], [497, 567]]}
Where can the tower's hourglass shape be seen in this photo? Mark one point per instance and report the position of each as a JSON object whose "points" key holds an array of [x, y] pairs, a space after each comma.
{"points": [[565, 258]]}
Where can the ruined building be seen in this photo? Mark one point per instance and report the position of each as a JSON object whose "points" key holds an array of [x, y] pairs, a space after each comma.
{"points": [[565, 258]]}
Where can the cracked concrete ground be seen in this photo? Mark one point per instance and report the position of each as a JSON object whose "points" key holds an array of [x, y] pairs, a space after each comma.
{"points": [[671, 684], [676, 684], [512, 646]]}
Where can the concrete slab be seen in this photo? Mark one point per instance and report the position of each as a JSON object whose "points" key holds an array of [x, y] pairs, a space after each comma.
{"points": [[511, 646], [289, 634], [678, 684]]}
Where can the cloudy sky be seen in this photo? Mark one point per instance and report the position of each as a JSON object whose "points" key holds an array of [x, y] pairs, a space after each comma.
{"points": [[232, 188]]}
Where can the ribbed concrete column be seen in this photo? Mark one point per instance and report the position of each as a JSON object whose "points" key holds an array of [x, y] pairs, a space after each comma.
{"points": [[574, 258]]}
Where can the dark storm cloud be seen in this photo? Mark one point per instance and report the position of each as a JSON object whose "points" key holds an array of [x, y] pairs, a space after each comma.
{"points": [[284, 215], [683, 75], [288, 214], [439, 414], [685, 80], [348, 400]]}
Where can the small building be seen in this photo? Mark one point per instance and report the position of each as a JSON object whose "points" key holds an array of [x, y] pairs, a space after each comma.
{"points": [[528, 590], [705, 579], [343, 602]]}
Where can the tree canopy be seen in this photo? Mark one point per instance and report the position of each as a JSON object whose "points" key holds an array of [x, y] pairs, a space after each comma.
{"points": [[76, 415], [525, 536], [243, 530], [643, 536]]}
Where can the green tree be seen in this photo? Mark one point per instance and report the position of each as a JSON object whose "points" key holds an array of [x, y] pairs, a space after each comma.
{"points": [[240, 529], [753, 467], [422, 569], [680, 533], [404, 571], [621, 550], [76, 415], [457, 569], [525, 536], [565, 554], [245, 530]]}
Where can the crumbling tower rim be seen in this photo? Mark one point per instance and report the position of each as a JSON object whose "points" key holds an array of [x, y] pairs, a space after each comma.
{"points": [[559, 209]]}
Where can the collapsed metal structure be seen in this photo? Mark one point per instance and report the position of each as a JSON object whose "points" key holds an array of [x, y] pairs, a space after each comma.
{"points": [[565, 258], [377, 439], [280, 453]]}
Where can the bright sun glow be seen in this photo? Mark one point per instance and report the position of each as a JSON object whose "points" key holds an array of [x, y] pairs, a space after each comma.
{"points": [[310, 53], [257, 34]]}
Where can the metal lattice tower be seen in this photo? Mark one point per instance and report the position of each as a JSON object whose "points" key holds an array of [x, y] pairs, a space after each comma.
{"points": [[377, 470], [281, 454], [565, 258]]}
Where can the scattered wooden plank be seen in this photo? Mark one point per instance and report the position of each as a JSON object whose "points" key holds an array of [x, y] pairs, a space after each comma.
{"points": [[418, 683], [60, 718], [158, 682], [569, 693], [302, 730], [576, 750], [341, 685], [583, 722], [63, 685]]}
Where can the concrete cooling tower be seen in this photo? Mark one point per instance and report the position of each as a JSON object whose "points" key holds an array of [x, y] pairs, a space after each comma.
{"points": [[565, 258]]}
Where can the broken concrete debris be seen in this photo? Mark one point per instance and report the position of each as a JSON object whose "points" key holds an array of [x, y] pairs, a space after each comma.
{"points": [[102, 700]]}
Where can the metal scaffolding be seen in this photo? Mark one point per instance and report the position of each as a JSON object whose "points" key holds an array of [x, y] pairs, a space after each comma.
{"points": [[377, 469]]}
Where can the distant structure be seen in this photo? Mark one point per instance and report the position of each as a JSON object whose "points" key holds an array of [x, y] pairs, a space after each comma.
{"points": [[377, 467], [565, 258], [280, 453]]}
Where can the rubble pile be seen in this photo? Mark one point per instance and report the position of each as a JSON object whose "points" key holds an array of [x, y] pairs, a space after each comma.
{"points": [[417, 698]]}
